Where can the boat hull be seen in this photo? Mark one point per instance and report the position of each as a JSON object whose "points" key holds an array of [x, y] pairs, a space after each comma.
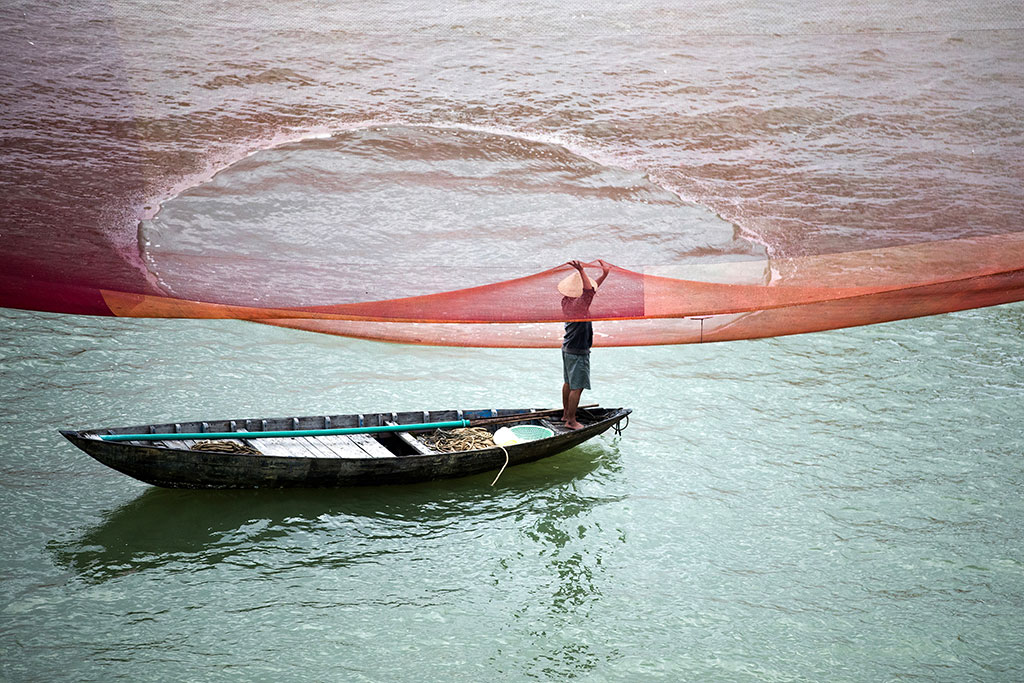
{"points": [[183, 468]]}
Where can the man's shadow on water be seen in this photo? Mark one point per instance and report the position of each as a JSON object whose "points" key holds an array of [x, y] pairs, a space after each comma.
{"points": [[202, 528]]}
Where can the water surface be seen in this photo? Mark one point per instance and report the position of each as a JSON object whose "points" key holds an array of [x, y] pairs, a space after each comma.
{"points": [[835, 506]]}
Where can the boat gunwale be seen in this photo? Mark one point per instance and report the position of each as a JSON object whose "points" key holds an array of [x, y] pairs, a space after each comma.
{"points": [[370, 419]]}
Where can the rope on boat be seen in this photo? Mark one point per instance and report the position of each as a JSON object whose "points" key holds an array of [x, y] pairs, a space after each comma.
{"points": [[502, 467], [618, 427], [465, 439], [225, 447], [455, 440]]}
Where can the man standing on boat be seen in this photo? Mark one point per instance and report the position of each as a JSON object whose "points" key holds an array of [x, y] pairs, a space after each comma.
{"points": [[578, 292]]}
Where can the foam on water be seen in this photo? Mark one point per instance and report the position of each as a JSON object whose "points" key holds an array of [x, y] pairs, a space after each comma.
{"points": [[384, 212]]}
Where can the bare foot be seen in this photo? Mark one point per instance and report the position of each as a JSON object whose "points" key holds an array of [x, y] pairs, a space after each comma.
{"points": [[573, 425]]}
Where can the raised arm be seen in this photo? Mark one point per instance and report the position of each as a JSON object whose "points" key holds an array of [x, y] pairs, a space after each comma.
{"points": [[583, 275]]}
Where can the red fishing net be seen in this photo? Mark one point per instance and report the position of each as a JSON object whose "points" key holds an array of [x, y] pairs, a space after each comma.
{"points": [[175, 174], [666, 305]]}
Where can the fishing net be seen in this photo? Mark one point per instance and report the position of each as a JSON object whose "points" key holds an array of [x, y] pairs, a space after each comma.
{"points": [[666, 305], [819, 199]]}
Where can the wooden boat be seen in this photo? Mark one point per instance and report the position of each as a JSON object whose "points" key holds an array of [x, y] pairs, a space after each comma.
{"points": [[329, 450]]}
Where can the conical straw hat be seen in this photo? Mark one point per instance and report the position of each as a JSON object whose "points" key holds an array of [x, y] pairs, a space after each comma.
{"points": [[572, 286]]}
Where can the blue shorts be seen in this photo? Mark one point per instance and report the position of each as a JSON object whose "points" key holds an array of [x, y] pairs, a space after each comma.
{"points": [[576, 369]]}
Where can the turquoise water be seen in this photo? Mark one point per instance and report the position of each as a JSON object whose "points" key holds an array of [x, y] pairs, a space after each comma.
{"points": [[838, 506]]}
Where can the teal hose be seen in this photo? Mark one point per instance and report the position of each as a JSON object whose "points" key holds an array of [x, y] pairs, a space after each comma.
{"points": [[285, 434]]}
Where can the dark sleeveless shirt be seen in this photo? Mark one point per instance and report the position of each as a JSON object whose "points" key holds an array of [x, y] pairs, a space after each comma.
{"points": [[579, 336]]}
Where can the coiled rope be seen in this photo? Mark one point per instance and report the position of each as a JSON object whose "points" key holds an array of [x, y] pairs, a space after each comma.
{"points": [[224, 447], [465, 439]]}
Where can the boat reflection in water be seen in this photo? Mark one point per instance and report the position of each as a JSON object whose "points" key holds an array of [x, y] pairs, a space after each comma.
{"points": [[324, 527]]}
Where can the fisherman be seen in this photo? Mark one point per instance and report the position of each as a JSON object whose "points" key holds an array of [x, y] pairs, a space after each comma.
{"points": [[578, 291]]}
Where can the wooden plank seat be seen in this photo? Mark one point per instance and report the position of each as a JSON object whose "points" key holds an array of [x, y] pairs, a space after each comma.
{"points": [[412, 441], [556, 427], [336, 446], [184, 444], [370, 445]]}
